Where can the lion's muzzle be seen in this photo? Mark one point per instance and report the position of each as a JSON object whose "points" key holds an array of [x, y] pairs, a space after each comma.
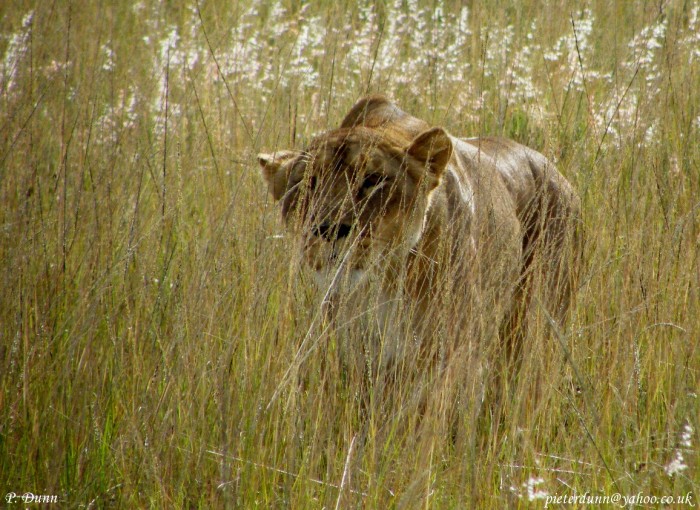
{"points": [[331, 232]]}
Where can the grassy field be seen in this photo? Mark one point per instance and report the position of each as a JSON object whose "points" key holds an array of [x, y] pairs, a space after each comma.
{"points": [[151, 310]]}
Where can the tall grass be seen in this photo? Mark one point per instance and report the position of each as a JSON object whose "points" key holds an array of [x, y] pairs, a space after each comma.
{"points": [[151, 312]]}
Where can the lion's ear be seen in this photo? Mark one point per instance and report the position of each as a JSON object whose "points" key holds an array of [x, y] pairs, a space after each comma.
{"points": [[275, 170], [433, 150]]}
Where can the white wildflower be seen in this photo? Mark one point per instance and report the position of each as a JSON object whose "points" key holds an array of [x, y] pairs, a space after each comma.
{"points": [[394, 34], [108, 54], [645, 44], [300, 66], [130, 115], [578, 46], [27, 19], [169, 57], [520, 72], [168, 49], [277, 11], [651, 133], [360, 55], [687, 436], [692, 39], [676, 465], [533, 493], [462, 31], [15, 51]]}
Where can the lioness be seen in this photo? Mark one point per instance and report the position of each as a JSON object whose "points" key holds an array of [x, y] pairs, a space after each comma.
{"points": [[450, 228]]}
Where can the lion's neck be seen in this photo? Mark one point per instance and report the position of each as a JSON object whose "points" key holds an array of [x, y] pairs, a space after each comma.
{"points": [[425, 260]]}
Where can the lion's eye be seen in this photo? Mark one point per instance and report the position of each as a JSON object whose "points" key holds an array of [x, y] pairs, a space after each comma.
{"points": [[371, 181], [312, 183]]}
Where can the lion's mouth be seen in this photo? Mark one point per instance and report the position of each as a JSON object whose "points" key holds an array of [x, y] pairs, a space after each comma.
{"points": [[338, 265], [334, 278]]}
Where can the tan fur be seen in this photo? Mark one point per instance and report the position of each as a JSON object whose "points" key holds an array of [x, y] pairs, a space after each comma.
{"points": [[441, 222]]}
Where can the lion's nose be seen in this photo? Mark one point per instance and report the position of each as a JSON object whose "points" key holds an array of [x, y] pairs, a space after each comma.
{"points": [[331, 232]]}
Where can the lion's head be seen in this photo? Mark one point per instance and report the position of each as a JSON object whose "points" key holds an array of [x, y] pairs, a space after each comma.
{"points": [[357, 194]]}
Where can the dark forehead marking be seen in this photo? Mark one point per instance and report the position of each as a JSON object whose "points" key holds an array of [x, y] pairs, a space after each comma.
{"points": [[331, 150], [366, 136]]}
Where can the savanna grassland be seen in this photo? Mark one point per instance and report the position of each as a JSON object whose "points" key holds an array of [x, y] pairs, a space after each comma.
{"points": [[158, 345]]}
